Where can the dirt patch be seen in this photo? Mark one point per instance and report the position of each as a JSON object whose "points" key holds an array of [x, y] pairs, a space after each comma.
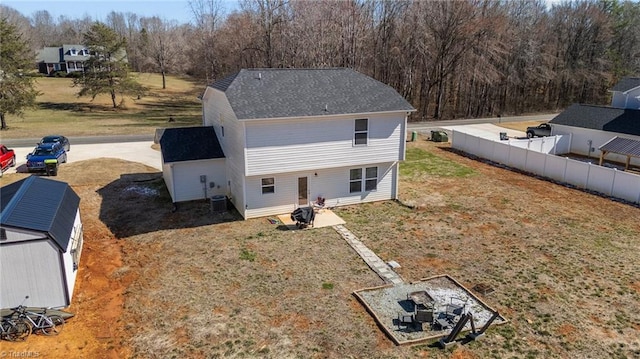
{"points": [[96, 331]]}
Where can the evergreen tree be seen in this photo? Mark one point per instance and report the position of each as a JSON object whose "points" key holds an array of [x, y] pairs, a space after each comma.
{"points": [[16, 87], [107, 70]]}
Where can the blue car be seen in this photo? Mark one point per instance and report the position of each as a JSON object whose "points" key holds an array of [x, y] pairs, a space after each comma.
{"points": [[45, 151], [57, 138]]}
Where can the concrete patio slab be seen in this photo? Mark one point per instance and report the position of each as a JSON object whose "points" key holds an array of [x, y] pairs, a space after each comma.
{"points": [[324, 218]]}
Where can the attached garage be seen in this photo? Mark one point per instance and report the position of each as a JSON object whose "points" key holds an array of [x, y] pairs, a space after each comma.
{"points": [[40, 243], [193, 164]]}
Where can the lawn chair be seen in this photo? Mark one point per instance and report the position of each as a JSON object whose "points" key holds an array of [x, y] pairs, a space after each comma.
{"points": [[405, 320], [424, 316]]}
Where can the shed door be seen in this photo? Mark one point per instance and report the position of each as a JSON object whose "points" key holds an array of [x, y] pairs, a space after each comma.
{"points": [[303, 184]]}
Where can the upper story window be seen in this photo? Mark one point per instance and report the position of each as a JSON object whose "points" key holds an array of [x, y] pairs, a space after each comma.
{"points": [[361, 133], [84, 52], [73, 52]]}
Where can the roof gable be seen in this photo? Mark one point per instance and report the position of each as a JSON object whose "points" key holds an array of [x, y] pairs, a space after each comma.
{"points": [[49, 55], [600, 118], [190, 144], [627, 84], [285, 93], [40, 204]]}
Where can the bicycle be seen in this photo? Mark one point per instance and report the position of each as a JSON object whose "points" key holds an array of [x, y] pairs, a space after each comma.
{"points": [[46, 324], [14, 330]]}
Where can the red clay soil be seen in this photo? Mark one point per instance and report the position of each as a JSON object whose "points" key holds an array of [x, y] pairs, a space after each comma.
{"points": [[98, 302]]}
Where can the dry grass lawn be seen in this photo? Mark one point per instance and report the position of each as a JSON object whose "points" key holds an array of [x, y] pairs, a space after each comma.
{"points": [[60, 110], [157, 284]]}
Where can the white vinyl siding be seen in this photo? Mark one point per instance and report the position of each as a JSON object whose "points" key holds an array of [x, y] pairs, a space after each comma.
{"points": [[332, 184], [32, 268], [580, 138], [185, 179], [312, 144], [217, 112]]}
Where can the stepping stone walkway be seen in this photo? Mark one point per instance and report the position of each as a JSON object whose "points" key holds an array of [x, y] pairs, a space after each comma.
{"points": [[378, 265]]}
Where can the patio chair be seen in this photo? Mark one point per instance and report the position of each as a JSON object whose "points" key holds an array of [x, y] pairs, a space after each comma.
{"points": [[405, 320], [424, 316]]}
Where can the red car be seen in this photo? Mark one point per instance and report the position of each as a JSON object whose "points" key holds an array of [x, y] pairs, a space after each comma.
{"points": [[7, 158]]}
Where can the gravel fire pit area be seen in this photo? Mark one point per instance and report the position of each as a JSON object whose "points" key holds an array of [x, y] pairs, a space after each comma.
{"points": [[392, 306]]}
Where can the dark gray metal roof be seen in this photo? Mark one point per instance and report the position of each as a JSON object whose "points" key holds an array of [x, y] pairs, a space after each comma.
{"points": [[40, 204], [623, 146], [284, 93], [626, 84], [190, 144], [602, 118]]}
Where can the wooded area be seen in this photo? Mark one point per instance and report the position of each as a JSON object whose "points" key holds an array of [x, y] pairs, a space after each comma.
{"points": [[450, 59]]}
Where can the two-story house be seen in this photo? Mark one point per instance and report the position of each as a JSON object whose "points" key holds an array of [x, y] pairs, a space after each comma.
{"points": [[68, 58], [291, 135]]}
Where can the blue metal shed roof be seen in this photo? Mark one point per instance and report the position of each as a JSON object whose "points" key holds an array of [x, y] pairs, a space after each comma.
{"points": [[40, 204]]}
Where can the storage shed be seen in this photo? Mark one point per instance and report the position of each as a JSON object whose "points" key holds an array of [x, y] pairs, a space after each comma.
{"points": [[193, 164], [40, 242]]}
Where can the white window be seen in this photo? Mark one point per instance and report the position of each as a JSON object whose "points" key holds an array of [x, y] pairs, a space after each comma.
{"points": [[76, 246], [357, 181], [73, 52], [268, 185], [361, 133]]}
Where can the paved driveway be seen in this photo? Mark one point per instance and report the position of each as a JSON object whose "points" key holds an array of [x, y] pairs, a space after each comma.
{"points": [[486, 130], [129, 151]]}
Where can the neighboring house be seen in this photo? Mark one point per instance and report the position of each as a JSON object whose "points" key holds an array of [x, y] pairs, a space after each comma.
{"points": [[193, 164], [40, 242], [291, 135], [592, 126], [626, 93], [68, 58]]}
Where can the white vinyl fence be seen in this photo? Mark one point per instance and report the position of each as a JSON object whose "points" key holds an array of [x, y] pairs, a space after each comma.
{"points": [[538, 156]]}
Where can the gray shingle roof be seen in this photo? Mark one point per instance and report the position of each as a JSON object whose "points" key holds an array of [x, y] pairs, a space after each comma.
{"points": [[626, 84], [40, 204], [61, 54], [67, 56], [49, 55], [284, 93], [624, 146], [600, 118], [190, 144]]}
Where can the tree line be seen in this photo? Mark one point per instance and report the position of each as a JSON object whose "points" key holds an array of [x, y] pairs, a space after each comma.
{"points": [[449, 59]]}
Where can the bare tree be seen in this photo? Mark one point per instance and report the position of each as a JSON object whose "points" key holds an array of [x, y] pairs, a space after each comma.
{"points": [[163, 44], [207, 15]]}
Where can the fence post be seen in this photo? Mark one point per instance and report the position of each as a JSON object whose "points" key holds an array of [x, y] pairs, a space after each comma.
{"points": [[613, 182], [586, 185], [564, 174]]}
